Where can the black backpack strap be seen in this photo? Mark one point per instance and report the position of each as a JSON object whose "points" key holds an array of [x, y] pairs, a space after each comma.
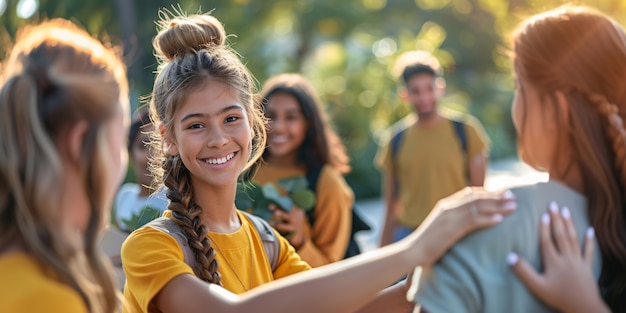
{"points": [[396, 140], [312, 176], [169, 227], [459, 129], [358, 224], [268, 236]]}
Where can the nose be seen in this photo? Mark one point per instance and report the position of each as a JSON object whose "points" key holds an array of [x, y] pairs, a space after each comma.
{"points": [[275, 125], [217, 138]]}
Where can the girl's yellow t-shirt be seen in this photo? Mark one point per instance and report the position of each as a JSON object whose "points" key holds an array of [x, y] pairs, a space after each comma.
{"points": [[28, 286], [152, 258]]}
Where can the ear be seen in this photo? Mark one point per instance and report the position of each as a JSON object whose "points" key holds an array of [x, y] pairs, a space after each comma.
{"points": [[168, 142], [74, 140], [562, 107], [403, 94], [440, 86]]}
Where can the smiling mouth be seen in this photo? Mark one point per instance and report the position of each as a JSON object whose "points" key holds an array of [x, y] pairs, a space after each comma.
{"points": [[279, 139], [221, 160]]}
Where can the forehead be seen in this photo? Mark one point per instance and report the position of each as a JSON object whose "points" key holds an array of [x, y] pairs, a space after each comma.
{"points": [[283, 101], [419, 80], [210, 99]]}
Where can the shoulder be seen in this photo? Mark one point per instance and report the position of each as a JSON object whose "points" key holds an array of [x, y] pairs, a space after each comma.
{"points": [[26, 281], [149, 239], [398, 128], [330, 178]]}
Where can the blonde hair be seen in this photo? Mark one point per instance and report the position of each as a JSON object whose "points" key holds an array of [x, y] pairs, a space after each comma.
{"points": [[193, 53], [582, 53], [55, 76]]}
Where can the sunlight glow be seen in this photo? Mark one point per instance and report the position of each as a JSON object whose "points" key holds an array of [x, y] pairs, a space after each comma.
{"points": [[27, 8]]}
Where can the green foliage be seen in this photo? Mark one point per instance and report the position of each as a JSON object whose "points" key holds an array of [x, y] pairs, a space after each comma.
{"points": [[141, 218], [347, 49], [256, 199]]}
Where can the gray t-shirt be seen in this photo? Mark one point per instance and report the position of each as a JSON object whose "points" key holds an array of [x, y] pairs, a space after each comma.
{"points": [[474, 276]]}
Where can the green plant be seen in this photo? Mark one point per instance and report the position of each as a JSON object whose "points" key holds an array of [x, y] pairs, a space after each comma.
{"points": [[141, 218], [256, 199]]}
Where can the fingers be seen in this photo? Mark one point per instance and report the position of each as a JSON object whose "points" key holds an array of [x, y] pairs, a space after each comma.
{"points": [[490, 203], [533, 280], [564, 231], [545, 239], [589, 246]]}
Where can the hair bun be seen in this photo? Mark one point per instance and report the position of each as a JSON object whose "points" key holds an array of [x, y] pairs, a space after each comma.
{"points": [[181, 35]]}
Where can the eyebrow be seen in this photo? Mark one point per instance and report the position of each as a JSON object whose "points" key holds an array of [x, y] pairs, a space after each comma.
{"points": [[222, 111]]}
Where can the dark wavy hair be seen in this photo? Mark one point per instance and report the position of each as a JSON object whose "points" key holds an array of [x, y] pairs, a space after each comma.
{"points": [[321, 144]]}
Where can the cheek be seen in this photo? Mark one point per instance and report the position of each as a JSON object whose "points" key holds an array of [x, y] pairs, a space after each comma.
{"points": [[516, 113]]}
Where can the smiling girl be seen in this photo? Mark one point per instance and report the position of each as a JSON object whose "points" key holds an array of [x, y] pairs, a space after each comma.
{"points": [[301, 142]]}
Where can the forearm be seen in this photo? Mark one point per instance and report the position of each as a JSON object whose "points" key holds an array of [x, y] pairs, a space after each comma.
{"points": [[391, 300], [343, 278]]}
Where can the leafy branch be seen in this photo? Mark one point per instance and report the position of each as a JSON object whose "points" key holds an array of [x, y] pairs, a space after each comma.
{"points": [[256, 199]]}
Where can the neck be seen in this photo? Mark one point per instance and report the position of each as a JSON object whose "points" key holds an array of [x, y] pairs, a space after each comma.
{"points": [[570, 176], [429, 120], [283, 160], [219, 214]]}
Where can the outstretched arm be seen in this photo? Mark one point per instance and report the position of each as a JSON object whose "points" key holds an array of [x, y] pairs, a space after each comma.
{"points": [[356, 279]]}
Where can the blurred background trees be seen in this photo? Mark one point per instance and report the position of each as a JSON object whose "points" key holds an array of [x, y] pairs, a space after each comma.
{"points": [[347, 48]]}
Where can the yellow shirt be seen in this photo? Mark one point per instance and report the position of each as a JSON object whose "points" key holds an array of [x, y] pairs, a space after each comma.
{"points": [[27, 286], [327, 240], [430, 164], [152, 258]]}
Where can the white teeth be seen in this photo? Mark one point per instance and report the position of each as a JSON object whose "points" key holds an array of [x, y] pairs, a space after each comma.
{"points": [[279, 139], [221, 160]]}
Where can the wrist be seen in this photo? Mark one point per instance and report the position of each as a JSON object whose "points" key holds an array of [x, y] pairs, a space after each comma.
{"points": [[596, 304], [298, 244]]}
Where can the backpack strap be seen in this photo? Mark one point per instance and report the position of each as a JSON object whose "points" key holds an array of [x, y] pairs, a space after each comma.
{"points": [[270, 241], [169, 227], [268, 236], [312, 176], [459, 129], [395, 147]]}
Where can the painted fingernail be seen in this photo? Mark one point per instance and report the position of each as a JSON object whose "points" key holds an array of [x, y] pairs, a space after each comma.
{"points": [[590, 232], [545, 218], [510, 206], [497, 217], [565, 213], [508, 195], [554, 208], [512, 258]]}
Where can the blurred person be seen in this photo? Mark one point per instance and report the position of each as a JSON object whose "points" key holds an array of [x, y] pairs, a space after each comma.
{"points": [[135, 202], [429, 155], [302, 143], [64, 110]]}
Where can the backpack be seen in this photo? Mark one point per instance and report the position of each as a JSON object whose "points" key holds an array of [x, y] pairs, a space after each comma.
{"points": [[358, 224], [270, 241], [396, 140]]}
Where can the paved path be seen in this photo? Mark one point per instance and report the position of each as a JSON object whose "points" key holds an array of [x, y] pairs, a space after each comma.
{"points": [[501, 174]]}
